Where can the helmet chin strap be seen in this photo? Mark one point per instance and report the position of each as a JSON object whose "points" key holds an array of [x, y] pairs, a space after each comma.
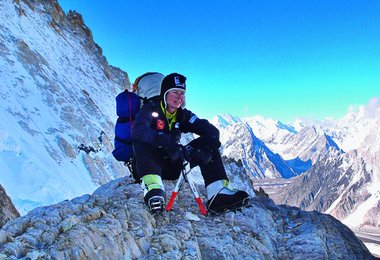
{"points": [[165, 102]]}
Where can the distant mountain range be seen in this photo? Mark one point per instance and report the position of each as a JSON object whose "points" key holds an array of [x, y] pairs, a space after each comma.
{"points": [[270, 149], [335, 163]]}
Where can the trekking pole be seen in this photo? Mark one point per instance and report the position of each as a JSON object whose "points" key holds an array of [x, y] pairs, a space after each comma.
{"points": [[174, 193], [196, 194], [194, 190]]}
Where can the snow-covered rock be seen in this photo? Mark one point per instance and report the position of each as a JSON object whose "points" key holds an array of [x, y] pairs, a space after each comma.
{"points": [[346, 185], [259, 161], [268, 130], [58, 105], [307, 144]]}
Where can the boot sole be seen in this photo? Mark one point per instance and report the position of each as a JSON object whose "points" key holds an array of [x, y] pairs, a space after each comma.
{"points": [[238, 206], [156, 204]]}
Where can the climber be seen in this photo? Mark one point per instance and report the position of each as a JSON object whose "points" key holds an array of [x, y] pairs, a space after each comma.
{"points": [[156, 133]]}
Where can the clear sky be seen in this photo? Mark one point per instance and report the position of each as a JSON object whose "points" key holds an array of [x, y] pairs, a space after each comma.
{"points": [[279, 59]]}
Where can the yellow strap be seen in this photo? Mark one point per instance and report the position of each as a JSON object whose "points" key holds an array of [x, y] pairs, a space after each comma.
{"points": [[172, 118], [226, 184]]}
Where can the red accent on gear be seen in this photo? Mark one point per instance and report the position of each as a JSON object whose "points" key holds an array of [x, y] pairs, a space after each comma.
{"points": [[201, 207], [160, 124], [171, 201]]}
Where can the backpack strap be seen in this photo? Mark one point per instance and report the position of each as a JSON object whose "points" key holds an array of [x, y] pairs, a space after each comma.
{"points": [[144, 99]]}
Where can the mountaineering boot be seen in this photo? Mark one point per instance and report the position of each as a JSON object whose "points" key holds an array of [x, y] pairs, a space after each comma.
{"points": [[154, 192], [222, 198]]}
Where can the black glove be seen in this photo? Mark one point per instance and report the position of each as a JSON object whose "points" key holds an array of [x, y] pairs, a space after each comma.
{"points": [[174, 151], [205, 142], [197, 156]]}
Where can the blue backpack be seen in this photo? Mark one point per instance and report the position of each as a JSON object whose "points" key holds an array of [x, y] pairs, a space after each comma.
{"points": [[128, 104]]}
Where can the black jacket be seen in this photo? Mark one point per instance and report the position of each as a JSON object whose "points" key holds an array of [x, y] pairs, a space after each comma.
{"points": [[151, 126]]}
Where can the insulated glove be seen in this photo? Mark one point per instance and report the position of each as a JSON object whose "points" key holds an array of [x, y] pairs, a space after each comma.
{"points": [[205, 142], [174, 151], [197, 156]]}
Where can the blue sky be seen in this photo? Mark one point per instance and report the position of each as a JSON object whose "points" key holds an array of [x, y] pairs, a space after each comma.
{"points": [[278, 59]]}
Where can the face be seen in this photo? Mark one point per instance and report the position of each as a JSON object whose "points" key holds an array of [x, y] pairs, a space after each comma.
{"points": [[175, 99]]}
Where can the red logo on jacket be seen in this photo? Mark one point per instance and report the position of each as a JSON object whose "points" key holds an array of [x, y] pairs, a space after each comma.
{"points": [[160, 124]]}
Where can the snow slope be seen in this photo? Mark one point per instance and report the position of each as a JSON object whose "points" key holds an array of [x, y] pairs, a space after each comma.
{"points": [[57, 94]]}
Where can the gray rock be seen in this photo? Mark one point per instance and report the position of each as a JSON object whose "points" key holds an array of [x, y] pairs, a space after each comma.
{"points": [[7, 209], [114, 223], [190, 216]]}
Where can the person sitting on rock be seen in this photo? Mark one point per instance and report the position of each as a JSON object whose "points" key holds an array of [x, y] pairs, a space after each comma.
{"points": [[156, 134]]}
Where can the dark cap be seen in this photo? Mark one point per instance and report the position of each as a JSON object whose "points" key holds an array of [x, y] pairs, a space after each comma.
{"points": [[171, 82]]}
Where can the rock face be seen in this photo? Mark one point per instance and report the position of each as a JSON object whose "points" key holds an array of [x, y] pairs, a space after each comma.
{"points": [[58, 101], [7, 209], [113, 223]]}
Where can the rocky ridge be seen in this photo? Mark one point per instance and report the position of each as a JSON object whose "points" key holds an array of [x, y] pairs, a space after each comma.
{"points": [[113, 223], [7, 209]]}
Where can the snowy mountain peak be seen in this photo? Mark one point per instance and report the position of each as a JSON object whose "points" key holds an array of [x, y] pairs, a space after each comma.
{"points": [[287, 127], [241, 144], [223, 121], [350, 131], [331, 144]]}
